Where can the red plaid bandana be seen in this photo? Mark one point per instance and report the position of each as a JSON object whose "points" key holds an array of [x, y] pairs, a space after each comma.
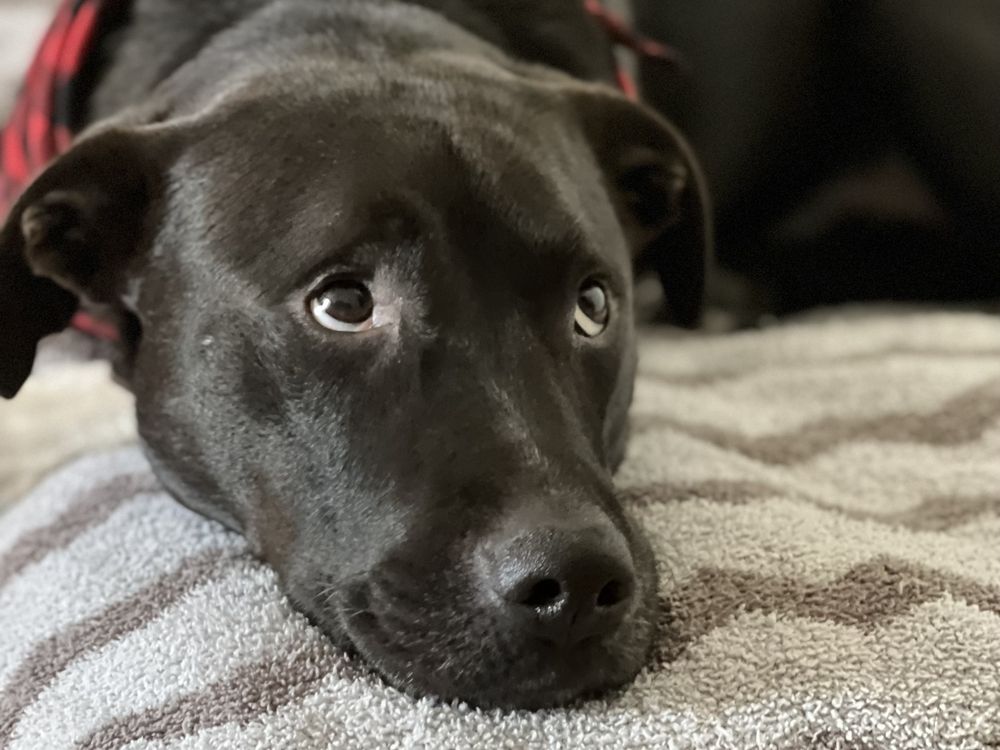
{"points": [[622, 34], [41, 126]]}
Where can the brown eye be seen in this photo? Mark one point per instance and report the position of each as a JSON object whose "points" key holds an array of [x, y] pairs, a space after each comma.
{"points": [[344, 305], [592, 310]]}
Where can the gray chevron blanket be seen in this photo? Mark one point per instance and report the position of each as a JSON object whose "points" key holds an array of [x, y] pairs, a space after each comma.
{"points": [[824, 500]]}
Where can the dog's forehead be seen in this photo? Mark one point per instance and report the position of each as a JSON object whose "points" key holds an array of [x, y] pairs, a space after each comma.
{"points": [[319, 165], [413, 131]]}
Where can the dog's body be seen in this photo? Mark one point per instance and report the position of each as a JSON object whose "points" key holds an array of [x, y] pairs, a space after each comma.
{"points": [[370, 262]]}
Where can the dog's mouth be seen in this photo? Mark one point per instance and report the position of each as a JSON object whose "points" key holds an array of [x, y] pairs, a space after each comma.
{"points": [[426, 648]]}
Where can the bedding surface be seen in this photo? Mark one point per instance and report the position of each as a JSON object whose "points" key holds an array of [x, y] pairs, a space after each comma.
{"points": [[823, 498]]}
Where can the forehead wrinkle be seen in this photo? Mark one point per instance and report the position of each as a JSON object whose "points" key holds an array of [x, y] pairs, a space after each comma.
{"points": [[320, 203], [542, 179], [541, 200], [532, 183], [548, 214]]}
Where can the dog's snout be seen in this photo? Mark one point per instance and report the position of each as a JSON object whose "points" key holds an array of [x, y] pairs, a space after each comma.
{"points": [[564, 586]]}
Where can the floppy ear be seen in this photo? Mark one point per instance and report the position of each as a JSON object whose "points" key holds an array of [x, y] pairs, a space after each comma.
{"points": [[67, 240], [661, 195]]}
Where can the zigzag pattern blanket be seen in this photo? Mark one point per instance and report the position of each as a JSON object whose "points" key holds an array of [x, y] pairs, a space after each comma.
{"points": [[824, 500]]}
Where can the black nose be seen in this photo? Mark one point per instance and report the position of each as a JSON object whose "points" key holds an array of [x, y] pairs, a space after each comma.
{"points": [[564, 586]]}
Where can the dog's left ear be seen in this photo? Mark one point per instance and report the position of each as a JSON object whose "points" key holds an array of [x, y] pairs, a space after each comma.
{"points": [[662, 197], [69, 237]]}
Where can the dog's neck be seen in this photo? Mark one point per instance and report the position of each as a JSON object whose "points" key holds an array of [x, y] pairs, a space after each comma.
{"points": [[162, 36]]}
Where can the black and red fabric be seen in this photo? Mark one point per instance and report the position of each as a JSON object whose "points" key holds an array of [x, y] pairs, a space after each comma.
{"points": [[42, 123], [621, 34], [47, 110]]}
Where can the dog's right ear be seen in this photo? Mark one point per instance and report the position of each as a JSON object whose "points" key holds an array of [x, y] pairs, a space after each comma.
{"points": [[662, 195], [70, 237]]}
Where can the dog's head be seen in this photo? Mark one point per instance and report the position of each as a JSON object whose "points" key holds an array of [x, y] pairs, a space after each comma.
{"points": [[387, 334]]}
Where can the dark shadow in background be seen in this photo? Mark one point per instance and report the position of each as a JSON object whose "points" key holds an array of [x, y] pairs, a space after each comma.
{"points": [[853, 147]]}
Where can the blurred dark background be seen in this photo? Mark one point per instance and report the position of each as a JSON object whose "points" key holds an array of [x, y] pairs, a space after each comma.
{"points": [[852, 146]]}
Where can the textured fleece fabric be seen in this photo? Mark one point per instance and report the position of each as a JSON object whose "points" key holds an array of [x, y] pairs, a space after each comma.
{"points": [[824, 503]]}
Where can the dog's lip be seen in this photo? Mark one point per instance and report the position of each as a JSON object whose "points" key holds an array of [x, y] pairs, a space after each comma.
{"points": [[585, 670], [556, 688], [576, 676]]}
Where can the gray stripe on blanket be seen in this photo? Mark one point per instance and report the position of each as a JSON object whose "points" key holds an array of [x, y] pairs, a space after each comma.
{"points": [[92, 510], [959, 421], [865, 597], [709, 377], [252, 692], [939, 513], [51, 656]]}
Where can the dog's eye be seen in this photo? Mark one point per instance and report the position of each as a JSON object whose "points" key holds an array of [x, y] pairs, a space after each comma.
{"points": [[344, 305], [592, 310]]}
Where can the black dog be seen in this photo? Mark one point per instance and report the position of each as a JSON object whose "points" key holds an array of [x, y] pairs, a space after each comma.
{"points": [[371, 263]]}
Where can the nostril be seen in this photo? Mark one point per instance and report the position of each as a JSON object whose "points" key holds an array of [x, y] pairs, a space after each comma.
{"points": [[614, 592], [543, 593]]}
